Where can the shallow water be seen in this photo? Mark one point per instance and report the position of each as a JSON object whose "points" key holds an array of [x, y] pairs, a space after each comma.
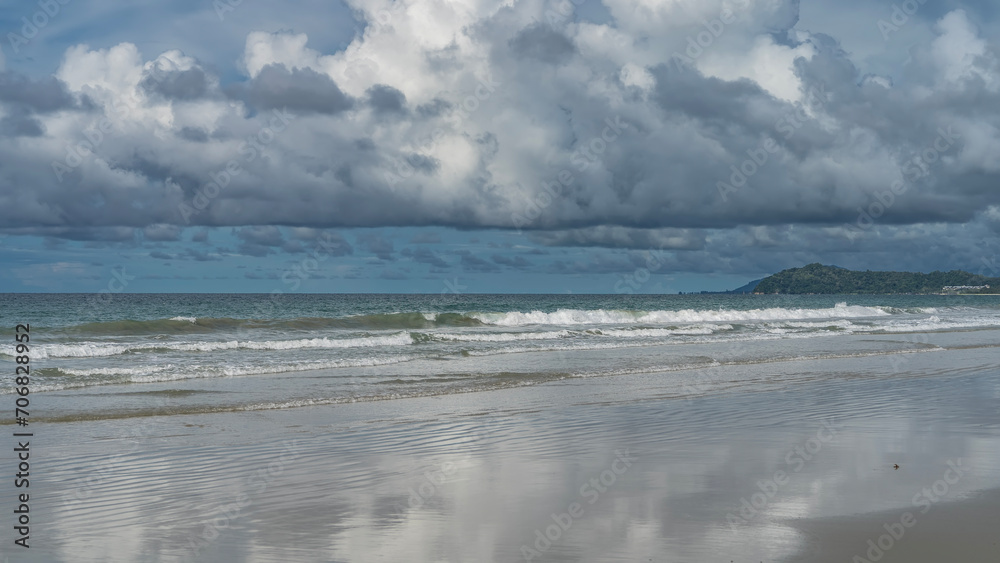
{"points": [[477, 476], [329, 349]]}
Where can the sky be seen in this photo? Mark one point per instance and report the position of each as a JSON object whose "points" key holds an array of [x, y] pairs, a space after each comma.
{"points": [[574, 146]]}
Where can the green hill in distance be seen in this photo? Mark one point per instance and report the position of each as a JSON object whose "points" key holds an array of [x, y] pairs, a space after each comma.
{"points": [[817, 278]]}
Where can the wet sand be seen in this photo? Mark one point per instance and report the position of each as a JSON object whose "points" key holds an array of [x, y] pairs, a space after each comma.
{"points": [[964, 530], [627, 468]]}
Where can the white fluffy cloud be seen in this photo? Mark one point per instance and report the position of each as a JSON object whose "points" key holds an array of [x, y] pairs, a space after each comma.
{"points": [[496, 114]]}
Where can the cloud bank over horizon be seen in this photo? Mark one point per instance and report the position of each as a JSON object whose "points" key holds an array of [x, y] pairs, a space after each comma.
{"points": [[717, 131]]}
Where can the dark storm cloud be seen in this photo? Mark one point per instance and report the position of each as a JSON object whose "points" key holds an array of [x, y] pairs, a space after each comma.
{"points": [[259, 241], [83, 234], [193, 134], [386, 99], [21, 126], [541, 42], [188, 84], [161, 232], [43, 95], [433, 108], [298, 90]]}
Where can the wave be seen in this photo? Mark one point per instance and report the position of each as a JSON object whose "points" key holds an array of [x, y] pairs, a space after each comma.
{"points": [[503, 336], [602, 316], [101, 349], [692, 330], [184, 324], [163, 374], [108, 371], [187, 324]]}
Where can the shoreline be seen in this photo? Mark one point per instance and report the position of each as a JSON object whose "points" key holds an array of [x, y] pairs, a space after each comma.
{"points": [[478, 476]]}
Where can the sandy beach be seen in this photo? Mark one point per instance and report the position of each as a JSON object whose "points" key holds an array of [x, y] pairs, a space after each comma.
{"points": [[962, 530], [787, 460]]}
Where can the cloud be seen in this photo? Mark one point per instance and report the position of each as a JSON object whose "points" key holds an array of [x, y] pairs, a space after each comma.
{"points": [[386, 99], [472, 263], [391, 274], [628, 142], [377, 245], [259, 240], [517, 262], [425, 256], [263, 235], [597, 263], [298, 90], [187, 84], [21, 126], [621, 237], [425, 237], [543, 43], [44, 95], [193, 134], [324, 242], [161, 232], [200, 256]]}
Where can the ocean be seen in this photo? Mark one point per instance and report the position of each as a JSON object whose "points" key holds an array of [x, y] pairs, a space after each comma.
{"points": [[122, 355], [467, 427]]}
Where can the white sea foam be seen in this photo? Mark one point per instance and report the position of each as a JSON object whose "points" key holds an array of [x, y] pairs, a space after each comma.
{"points": [[692, 330], [564, 317], [188, 319], [167, 373], [112, 371], [503, 336], [94, 350]]}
